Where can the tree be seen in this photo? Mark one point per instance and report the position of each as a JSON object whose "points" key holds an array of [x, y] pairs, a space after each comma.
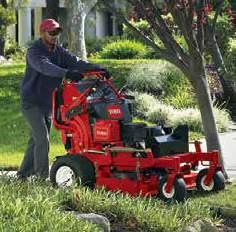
{"points": [[190, 17], [7, 18], [52, 9], [213, 47], [77, 11]]}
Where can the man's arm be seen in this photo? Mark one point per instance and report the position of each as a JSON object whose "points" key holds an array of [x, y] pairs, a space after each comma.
{"points": [[43, 65], [73, 63]]}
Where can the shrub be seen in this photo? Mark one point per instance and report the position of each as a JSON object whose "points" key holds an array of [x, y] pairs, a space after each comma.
{"points": [[149, 108], [95, 45], [123, 49], [230, 59], [14, 51], [162, 79], [142, 25], [119, 69], [177, 90], [147, 78], [224, 31]]}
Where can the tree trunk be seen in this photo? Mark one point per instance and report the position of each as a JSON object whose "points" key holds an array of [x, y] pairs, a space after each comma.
{"points": [[2, 46], [52, 9], [3, 3], [77, 11], [200, 84], [76, 35], [227, 85]]}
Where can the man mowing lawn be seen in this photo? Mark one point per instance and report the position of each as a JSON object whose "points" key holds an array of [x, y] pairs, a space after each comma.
{"points": [[46, 64]]}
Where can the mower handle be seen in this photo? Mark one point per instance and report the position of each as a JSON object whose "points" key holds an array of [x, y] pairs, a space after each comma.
{"points": [[99, 74]]}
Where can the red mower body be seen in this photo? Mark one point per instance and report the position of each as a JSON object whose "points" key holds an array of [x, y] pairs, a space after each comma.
{"points": [[95, 121]]}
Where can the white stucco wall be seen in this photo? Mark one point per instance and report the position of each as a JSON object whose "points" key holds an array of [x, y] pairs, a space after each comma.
{"points": [[29, 3]]}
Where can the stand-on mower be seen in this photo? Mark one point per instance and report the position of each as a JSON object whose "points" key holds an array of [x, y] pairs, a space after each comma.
{"points": [[105, 148]]}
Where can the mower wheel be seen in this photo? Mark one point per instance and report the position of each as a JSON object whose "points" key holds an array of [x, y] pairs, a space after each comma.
{"points": [[178, 191], [217, 183], [72, 169]]}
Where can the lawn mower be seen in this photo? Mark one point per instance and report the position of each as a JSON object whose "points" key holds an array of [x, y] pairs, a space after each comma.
{"points": [[106, 148]]}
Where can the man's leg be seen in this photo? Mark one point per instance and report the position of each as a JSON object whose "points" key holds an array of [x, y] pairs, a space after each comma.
{"points": [[27, 165], [40, 136]]}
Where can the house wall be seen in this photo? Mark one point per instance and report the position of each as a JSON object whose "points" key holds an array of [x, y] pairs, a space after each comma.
{"points": [[30, 14]]}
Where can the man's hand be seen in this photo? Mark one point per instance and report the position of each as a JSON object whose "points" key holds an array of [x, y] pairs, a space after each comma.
{"points": [[74, 75], [98, 68], [106, 74]]}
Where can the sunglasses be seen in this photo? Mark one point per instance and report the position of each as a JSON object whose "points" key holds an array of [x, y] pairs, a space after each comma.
{"points": [[54, 33]]}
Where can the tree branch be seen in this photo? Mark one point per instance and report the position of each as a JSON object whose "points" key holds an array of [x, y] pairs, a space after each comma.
{"points": [[151, 12], [218, 9]]}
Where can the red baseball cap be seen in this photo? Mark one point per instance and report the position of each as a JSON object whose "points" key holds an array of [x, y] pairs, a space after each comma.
{"points": [[49, 25]]}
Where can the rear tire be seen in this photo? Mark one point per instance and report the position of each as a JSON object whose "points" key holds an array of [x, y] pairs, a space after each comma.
{"points": [[178, 191], [217, 183], [73, 169]]}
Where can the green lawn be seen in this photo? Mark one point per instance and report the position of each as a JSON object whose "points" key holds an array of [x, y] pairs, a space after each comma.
{"points": [[14, 130], [28, 206], [32, 207], [35, 206]]}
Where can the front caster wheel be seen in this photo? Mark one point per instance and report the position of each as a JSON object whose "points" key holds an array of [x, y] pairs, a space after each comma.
{"points": [[177, 193], [217, 183], [72, 169]]}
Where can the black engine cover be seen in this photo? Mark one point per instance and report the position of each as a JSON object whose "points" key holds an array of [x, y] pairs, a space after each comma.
{"points": [[132, 133], [175, 143]]}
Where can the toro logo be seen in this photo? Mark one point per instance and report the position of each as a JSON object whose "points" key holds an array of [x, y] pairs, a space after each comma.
{"points": [[114, 111], [101, 133]]}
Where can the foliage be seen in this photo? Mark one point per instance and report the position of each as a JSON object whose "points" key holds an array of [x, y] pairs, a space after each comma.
{"points": [[230, 59], [94, 45], [224, 31], [36, 207], [7, 17], [149, 108], [143, 26], [123, 49], [163, 80], [140, 24], [149, 214], [148, 78], [28, 207], [14, 52]]}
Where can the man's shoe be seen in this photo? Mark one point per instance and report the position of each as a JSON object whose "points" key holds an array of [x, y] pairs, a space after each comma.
{"points": [[21, 178]]}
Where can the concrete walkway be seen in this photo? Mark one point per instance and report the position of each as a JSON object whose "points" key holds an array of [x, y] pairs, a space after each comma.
{"points": [[228, 144]]}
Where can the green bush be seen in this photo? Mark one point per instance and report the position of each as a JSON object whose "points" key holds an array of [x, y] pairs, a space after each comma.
{"points": [[123, 49], [224, 31], [95, 45], [7, 17], [230, 59], [148, 78], [162, 79], [119, 69], [14, 51], [142, 25]]}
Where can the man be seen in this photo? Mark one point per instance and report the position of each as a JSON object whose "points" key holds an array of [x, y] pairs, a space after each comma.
{"points": [[46, 64]]}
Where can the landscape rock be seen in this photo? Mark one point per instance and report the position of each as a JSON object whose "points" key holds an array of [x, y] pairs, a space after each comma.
{"points": [[200, 226], [227, 212], [97, 219]]}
